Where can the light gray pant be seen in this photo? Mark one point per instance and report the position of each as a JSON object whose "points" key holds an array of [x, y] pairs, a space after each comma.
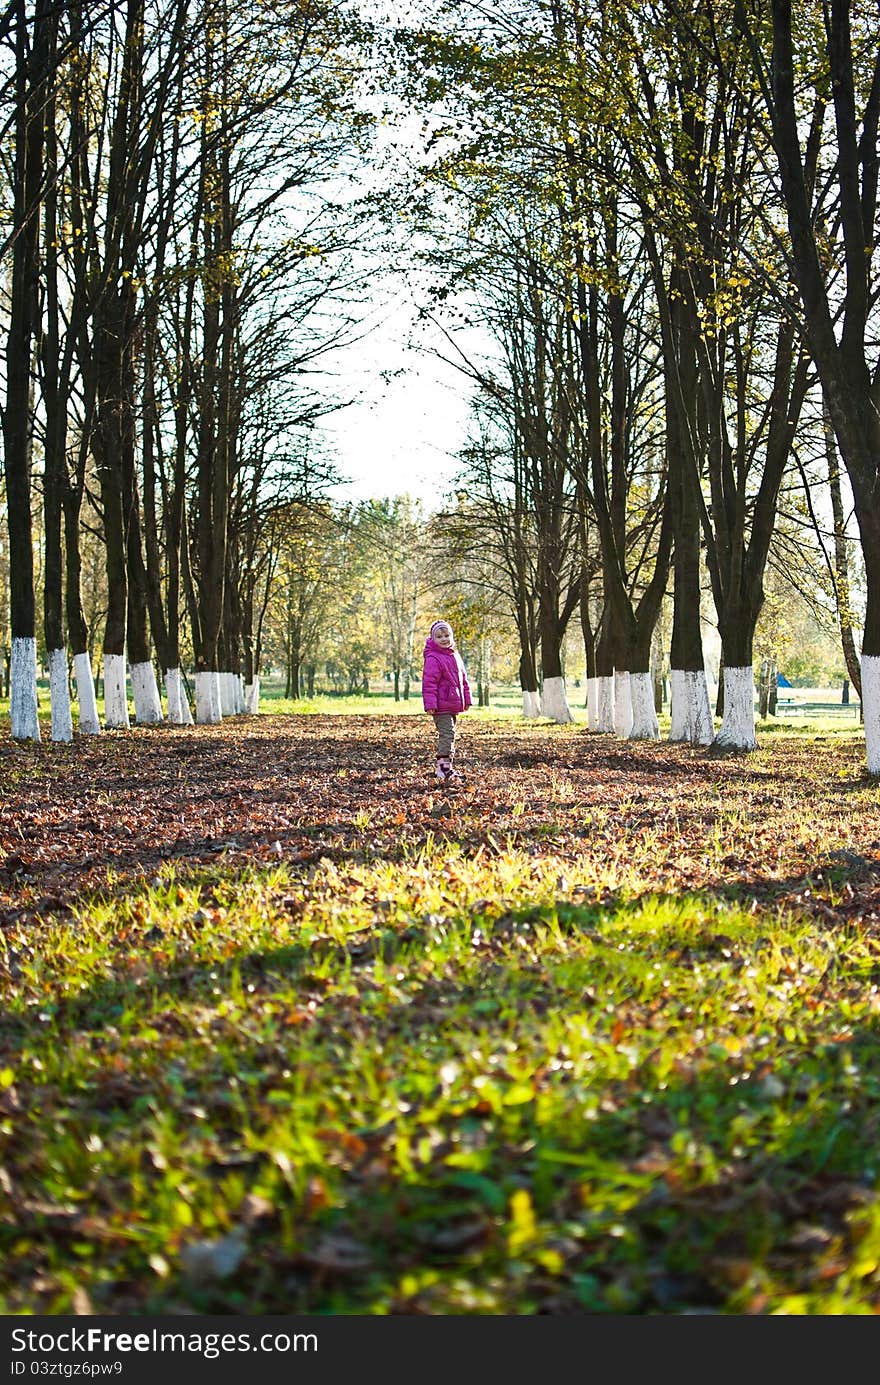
{"points": [[445, 723]]}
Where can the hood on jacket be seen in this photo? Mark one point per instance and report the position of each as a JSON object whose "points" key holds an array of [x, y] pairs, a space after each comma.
{"points": [[431, 647]]}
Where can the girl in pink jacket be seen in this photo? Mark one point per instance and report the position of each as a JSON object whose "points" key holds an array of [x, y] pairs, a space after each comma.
{"points": [[445, 692]]}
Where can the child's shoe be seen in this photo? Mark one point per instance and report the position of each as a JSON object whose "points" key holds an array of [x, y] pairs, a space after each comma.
{"points": [[444, 770]]}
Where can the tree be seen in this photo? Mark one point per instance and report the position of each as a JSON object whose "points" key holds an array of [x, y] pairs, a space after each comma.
{"points": [[492, 523], [32, 57], [736, 380], [796, 59], [538, 394], [466, 575], [394, 531], [840, 567], [308, 571]]}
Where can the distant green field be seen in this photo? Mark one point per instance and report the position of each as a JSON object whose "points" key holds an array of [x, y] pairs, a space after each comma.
{"points": [[817, 708], [505, 700]]}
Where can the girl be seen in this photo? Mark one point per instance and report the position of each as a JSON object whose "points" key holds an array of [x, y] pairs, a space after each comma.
{"points": [[445, 692]]}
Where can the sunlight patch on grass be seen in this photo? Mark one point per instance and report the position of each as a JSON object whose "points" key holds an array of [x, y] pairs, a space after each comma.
{"points": [[481, 1083]]}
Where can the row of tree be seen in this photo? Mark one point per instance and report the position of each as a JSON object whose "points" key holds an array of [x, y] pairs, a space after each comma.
{"points": [[661, 222], [178, 262], [346, 594], [664, 221], [352, 589]]}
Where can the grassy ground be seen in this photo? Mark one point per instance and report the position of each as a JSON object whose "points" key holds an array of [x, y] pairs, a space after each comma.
{"points": [[285, 1029], [506, 703]]}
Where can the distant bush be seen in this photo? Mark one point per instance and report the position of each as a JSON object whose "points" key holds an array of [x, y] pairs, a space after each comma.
{"points": [[813, 668]]}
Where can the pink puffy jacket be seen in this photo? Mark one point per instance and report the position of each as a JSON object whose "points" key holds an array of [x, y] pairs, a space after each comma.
{"points": [[445, 686]]}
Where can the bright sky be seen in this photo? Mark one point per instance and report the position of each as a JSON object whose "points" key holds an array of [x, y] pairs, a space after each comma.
{"points": [[412, 409], [409, 420]]}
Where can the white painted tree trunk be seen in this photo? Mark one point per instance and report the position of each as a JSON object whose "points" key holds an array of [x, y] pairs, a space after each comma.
{"points": [[605, 704], [554, 703], [871, 710], [89, 723], [186, 716], [645, 726], [691, 711], [24, 722], [115, 696], [593, 704], [145, 691], [230, 694], [623, 708], [179, 713], [173, 694], [737, 730], [59, 694], [227, 694], [679, 727], [252, 696], [531, 704], [240, 701], [208, 711]]}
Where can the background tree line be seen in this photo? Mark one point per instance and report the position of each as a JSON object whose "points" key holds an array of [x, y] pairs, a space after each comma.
{"points": [[659, 223], [349, 592], [177, 262], [662, 219]]}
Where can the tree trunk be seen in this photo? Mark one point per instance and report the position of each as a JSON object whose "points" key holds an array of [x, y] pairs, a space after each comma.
{"points": [[145, 690], [213, 471], [152, 562], [23, 321], [528, 671], [846, 377], [89, 722], [108, 443], [764, 689], [554, 702], [737, 729], [592, 692], [842, 591], [690, 712], [55, 398], [605, 675], [113, 441]]}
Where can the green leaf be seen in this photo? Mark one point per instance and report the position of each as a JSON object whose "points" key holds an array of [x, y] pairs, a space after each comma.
{"points": [[486, 1189]]}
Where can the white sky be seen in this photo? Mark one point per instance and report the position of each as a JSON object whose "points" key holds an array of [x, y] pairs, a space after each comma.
{"points": [[411, 411], [410, 419]]}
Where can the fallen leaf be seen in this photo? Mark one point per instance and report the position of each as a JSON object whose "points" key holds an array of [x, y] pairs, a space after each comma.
{"points": [[204, 1261]]}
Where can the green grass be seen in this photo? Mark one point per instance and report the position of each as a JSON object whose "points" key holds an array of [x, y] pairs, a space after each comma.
{"points": [[503, 1065], [505, 704], [442, 1104]]}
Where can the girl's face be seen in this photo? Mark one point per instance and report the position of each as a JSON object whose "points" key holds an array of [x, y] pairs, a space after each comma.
{"points": [[443, 636]]}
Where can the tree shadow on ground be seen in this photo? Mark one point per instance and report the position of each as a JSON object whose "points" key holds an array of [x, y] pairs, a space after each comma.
{"points": [[691, 1173], [302, 787]]}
